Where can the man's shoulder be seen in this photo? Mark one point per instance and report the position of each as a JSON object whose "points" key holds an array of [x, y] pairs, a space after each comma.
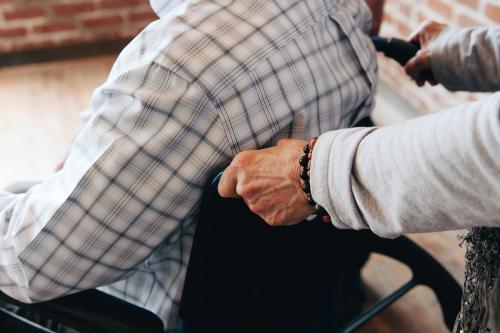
{"points": [[213, 43]]}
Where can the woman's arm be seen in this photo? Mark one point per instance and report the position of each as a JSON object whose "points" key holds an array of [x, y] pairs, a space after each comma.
{"points": [[458, 58], [438, 172], [467, 59]]}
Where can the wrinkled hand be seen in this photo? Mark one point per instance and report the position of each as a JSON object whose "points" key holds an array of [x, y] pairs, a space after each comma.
{"points": [[419, 67], [268, 181]]}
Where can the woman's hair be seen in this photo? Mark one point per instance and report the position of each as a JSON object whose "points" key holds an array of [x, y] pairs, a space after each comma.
{"points": [[482, 264]]}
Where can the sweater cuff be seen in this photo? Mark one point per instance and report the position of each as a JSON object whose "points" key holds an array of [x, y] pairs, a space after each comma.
{"points": [[440, 59], [331, 169]]}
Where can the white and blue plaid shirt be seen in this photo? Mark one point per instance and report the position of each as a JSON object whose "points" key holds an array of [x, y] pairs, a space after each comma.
{"points": [[204, 82]]}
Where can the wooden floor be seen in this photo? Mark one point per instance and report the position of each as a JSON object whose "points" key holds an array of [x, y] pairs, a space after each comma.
{"points": [[39, 117]]}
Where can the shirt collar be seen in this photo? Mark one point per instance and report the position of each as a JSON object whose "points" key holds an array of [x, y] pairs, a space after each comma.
{"points": [[163, 8]]}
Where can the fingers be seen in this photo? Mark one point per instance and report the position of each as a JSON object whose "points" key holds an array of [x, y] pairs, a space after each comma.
{"points": [[228, 182], [419, 68], [416, 36], [415, 66], [433, 81], [427, 32]]}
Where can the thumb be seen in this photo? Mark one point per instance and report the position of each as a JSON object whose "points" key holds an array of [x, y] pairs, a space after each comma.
{"points": [[417, 65], [417, 36], [228, 182], [414, 38]]}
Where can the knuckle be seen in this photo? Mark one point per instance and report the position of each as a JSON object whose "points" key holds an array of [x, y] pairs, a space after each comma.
{"points": [[236, 162], [275, 221], [246, 190], [272, 222], [241, 189], [427, 25], [254, 207], [230, 170], [242, 157], [281, 219]]}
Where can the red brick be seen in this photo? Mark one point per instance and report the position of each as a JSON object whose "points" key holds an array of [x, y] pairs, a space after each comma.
{"points": [[403, 9], [12, 32], [73, 8], [113, 34], [102, 22], [54, 27], [143, 16], [19, 14], [109, 4], [388, 17], [441, 8], [474, 4], [467, 21], [422, 17], [72, 41], [39, 44], [493, 12]]}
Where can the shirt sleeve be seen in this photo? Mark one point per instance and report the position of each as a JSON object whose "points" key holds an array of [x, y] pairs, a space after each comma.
{"points": [[134, 173], [437, 172], [467, 59]]}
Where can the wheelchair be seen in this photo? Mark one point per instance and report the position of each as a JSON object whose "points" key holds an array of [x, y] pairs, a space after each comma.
{"points": [[245, 276]]}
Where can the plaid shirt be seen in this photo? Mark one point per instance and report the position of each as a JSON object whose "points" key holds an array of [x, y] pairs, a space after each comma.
{"points": [[206, 81]]}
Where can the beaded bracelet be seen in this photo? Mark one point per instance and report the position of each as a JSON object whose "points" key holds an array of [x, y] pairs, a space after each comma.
{"points": [[304, 162], [304, 172]]}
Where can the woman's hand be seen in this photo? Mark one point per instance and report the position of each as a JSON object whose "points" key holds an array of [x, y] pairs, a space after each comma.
{"points": [[268, 181], [419, 67]]}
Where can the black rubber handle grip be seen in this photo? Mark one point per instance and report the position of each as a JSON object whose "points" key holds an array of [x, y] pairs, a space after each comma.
{"points": [[397, 49]]}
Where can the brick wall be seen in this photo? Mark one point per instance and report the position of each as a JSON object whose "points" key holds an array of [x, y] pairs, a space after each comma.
{"points": [[35, 24], [404, 16]]}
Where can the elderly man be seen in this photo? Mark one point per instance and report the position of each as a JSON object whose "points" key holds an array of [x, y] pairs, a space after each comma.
{"points": [[201, 84]]}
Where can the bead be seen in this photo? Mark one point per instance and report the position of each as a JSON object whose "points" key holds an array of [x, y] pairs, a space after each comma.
{"points": [[326, 218], [312, 143], [304, 173], [304, 161]]}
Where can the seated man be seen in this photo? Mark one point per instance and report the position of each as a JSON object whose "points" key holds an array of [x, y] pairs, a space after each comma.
{"points": [[204, 82]]}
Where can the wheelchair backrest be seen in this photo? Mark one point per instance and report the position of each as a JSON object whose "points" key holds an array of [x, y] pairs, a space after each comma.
{"points": [[244, 275]]}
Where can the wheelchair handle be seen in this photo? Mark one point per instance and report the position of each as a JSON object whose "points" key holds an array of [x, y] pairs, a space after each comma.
{"points": [[214, 180], [395, 48]]}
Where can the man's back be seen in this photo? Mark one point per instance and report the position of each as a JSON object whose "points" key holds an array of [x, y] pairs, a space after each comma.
{"points": [[207, 80]]}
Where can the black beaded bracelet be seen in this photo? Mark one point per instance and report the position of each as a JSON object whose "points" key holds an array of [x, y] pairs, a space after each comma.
{"points": [[304, 162], [304, 172]]}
